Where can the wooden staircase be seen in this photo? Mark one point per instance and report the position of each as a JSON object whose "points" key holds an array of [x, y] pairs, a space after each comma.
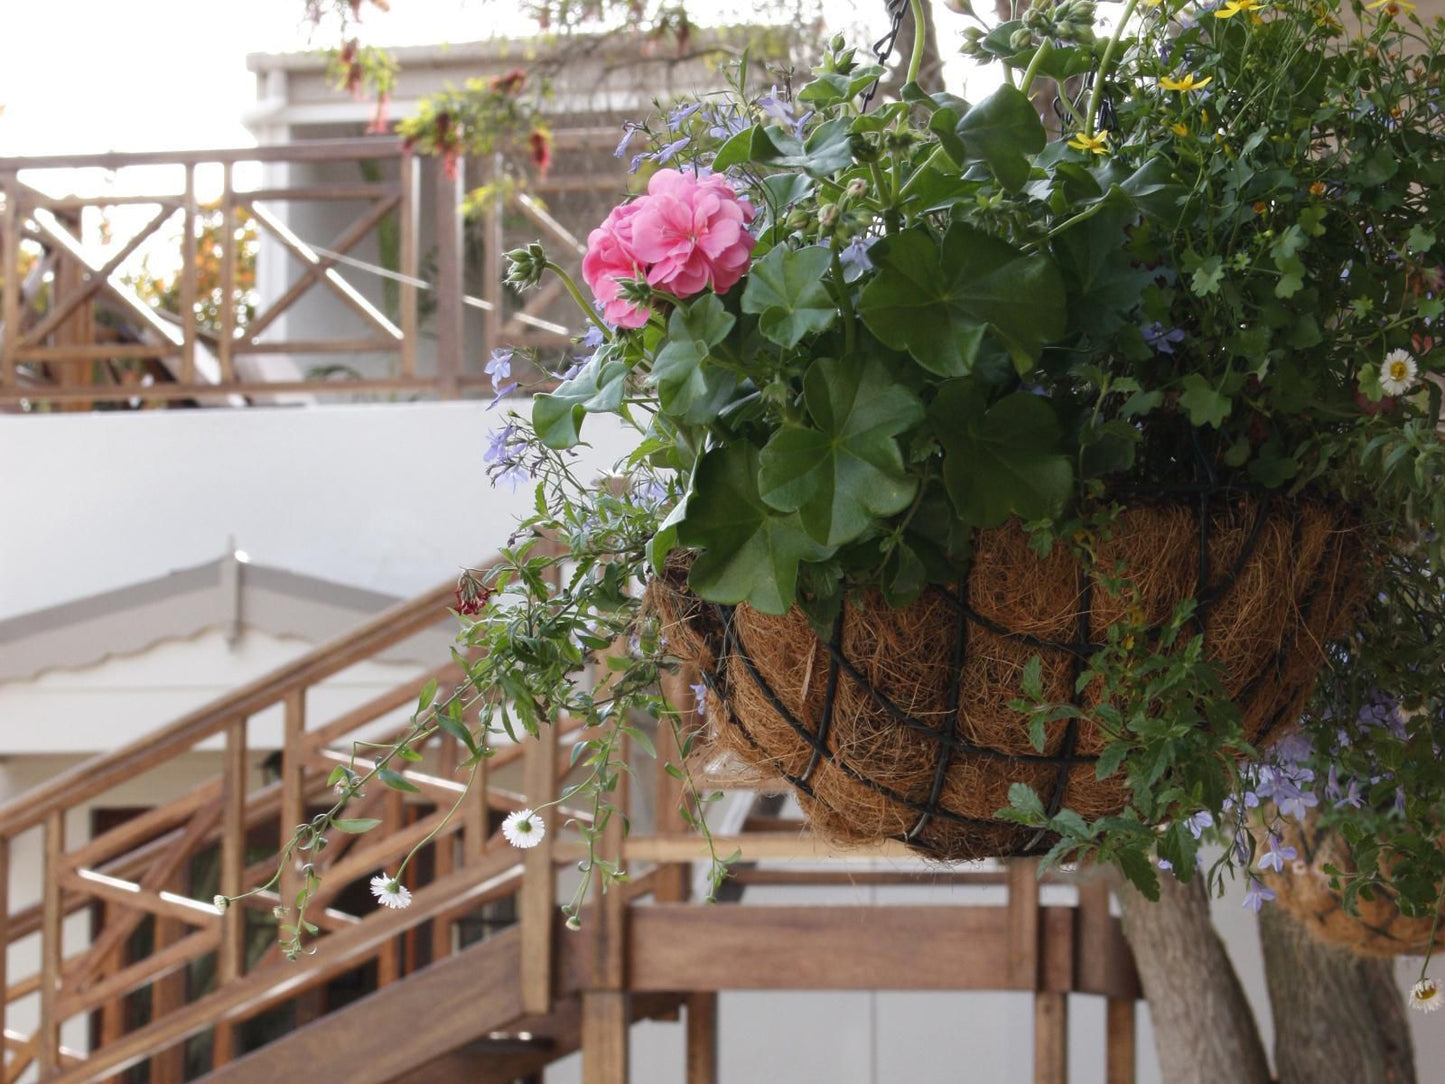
{"points": [[165, 978]]}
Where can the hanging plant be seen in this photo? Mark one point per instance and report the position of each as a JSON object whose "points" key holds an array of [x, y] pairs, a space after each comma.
{"points": [[1011, 491]]}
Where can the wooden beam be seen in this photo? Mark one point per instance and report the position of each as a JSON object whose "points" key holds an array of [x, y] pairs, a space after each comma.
{"points": [[188, 283], [47, 1036], [685, 947], [164, 961], [408, 210], [226, 339], [10, 273], [293, 789], [605, 1020], [129, 894], [1051, 1038], [492, 245], [1119, 1041], [231, 952], [539, 892], [448, 194], [701, 1056], [1023, 929]]}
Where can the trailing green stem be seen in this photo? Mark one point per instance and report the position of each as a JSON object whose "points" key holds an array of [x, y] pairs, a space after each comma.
{"points": [[1105, 64], [582, 302]]}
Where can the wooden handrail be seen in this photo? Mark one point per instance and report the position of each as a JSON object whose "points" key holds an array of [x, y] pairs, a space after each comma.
{"points": [[310, 150], [100, 773]]}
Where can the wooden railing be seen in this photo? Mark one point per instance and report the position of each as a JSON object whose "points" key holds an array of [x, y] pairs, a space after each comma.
{"points": [[131, 879], [50, 351]]}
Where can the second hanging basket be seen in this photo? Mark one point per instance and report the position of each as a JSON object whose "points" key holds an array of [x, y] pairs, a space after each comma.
{"points": [[898, 725]]}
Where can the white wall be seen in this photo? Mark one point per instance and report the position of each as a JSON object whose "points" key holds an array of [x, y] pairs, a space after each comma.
{"points": [[388, 496]]}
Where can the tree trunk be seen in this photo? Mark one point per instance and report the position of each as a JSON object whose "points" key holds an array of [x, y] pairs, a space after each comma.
{"points": [[1203, 1026], [1337, 1016]]}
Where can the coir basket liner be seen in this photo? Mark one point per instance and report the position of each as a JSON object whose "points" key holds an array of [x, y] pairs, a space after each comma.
{"points": [[898, 726], [1303, 889]]}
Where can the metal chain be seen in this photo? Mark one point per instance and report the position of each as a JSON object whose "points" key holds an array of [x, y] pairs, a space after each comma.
{"points": [[883, 47]]}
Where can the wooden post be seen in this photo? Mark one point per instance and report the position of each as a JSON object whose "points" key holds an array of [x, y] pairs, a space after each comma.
{"points": [[4, 933], [604, 1037], [492, 245], [539, 883], [51, 946], [231, 954], [293, 791], [188, 279], [393, 819], [10, 272], [1023, 925], [227, 337], [168, 994], [1051, 1038], [1119, 1039], [450, 282], [476, 818], [671, 883], [445, 852], [408, 179], [702, 1038]]}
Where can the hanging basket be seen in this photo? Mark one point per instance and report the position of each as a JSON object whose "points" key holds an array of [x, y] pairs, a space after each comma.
{"points": [[1303, 889], [899, 727]]}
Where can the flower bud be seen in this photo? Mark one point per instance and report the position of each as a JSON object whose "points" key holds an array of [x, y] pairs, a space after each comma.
{"points": [[1020, 39], [637, 291], [221, 903], [798, 220], [525, 266], [857, 188], [573, 923], [827, 215]]}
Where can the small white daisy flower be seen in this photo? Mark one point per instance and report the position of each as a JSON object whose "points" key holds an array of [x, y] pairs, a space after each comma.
{"points": [[524, 829], [1397, 375], [1425, 996], [390, 892]]}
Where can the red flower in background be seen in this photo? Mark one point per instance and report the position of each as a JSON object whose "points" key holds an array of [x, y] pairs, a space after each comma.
{"points": [[539, 143]]}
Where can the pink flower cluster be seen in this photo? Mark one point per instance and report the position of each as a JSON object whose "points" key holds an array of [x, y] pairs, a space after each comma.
{"points": [[687, 234]]}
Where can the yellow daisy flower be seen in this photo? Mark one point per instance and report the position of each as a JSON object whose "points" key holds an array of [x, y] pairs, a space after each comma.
{"points": [[1098, 144], [1186, 84], [1179, 128], [1391, 7], [1234, 7]]}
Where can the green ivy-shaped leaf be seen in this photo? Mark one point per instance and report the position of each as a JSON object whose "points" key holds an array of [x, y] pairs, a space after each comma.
{"points": [[937, 299], [750, 553], [846, 468], [1001, 461], [785, 288], [597, 389], [687, 387], [1205, 405], [1003, 130]]}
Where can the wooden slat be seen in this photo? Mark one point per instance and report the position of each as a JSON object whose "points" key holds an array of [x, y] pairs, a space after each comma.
{"points": [[310, 150], [539, 894], [321, 269], [293, 788], [166, 960], [448, 194], [1119, 1041], [1023, 933], [605, 1020], [492, 244], [95, 280], [609, 942], [408, 211], [144, 827], [701, 1053], [686, 947], [389, 701], [51, 947], [231, 951], [1051, 1038], [99, 774], [94, 352], [188, 284], [10, 273], [445, 854], [365, 345], [130, 894], [321, 192], [161, 873], [226, 339], [4, 930], [268, 986]]}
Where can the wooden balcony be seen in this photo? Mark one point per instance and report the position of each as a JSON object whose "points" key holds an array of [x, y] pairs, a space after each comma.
{"points": [[479, 966], [74, 334]]}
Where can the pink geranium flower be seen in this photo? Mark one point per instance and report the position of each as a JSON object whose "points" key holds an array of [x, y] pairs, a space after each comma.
{"points": [[610, 259], [686, 235], [691, 232]]}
